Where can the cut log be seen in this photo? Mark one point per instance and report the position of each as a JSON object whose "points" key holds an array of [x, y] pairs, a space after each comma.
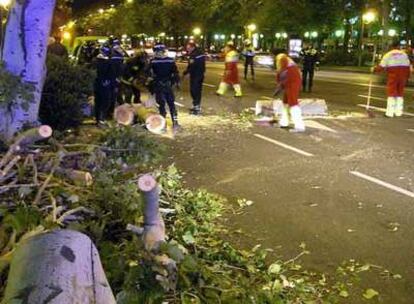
{"points": [[124, 114], [59, 267], [25, 139], [154, 227], [154, 122], [80, 178]]}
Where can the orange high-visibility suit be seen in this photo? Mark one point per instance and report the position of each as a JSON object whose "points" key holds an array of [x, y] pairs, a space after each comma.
{"points": [[290, 81], [396, 64]]}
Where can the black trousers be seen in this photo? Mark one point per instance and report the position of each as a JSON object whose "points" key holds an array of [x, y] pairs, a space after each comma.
{"points": [[196, 89], [104, 96], [248, 62], [164, 95], [127, 92], [307, 78]]}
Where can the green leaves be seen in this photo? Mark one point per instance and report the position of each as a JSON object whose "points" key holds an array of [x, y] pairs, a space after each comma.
{"points": [[370, 293]]}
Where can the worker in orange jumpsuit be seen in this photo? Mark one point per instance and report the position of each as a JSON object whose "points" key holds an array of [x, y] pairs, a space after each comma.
{"points": [[289, 81], [396, 64], [231, 71]]}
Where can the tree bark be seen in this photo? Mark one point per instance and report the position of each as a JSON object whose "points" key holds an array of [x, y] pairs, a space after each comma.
{"points": [[59, 267], [24, 55]]}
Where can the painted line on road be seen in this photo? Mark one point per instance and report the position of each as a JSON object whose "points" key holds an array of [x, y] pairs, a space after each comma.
{"points": [[382, 109], [372, 97], [280, 144], [267, 98], [179, 104], [209, 85], [382, 183]]}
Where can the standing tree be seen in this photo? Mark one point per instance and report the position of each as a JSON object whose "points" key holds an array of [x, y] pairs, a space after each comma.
{"points": [[24, 55]]}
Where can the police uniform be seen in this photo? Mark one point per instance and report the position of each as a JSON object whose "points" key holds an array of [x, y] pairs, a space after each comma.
{"points": [[396, 64], [103, 85], [249, 55], [196, 68], [164, 72], [310, 59], [117, 62]]}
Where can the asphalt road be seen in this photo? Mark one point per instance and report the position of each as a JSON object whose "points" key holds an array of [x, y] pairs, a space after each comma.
{"points": [[347, 191]]}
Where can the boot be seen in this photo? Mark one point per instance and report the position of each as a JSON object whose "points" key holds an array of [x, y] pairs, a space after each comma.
{"points": [[399, 106], [284, 117], [176, 125], [237, 90], [196, 110], [222, 89], [391, 104], [299, 125]]}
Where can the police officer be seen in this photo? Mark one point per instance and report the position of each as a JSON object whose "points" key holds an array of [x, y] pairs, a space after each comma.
{"points": [[104, 85], [131, 77], [164, 73], [117, 62], [310, 60], [249, 55], [196, 68]]}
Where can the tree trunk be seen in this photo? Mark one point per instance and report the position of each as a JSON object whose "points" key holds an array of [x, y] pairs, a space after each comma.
{"points": [[24, 55], [59, 267]]}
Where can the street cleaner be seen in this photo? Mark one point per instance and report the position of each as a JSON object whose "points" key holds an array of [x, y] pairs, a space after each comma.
{"points": [[164, 73], [289, 81], [396, 64], [231, 71]]}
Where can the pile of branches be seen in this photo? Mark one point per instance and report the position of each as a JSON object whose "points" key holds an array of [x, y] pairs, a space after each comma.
{"points": [[90, 185]]}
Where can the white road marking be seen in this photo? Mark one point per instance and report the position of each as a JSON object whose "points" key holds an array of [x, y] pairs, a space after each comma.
{"points": [[382, 183], [267, 98], [317, 125], [382, 109], [209, 85], [280, 144], [372, 97], [179, 104]]}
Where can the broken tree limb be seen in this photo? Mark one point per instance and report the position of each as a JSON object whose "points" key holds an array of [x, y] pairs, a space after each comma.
{"points": [[58, 267], [25, 139], [79, 178], [154, 227]]}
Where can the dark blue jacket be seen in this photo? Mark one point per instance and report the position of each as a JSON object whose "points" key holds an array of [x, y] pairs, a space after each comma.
{"points": [[197, 64], [164, 70]]}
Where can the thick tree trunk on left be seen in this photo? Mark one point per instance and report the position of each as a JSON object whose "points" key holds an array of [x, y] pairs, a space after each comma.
{"points": [[24, 55]]}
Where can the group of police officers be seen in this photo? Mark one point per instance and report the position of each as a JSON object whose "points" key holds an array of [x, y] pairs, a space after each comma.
{"points": [[119, 80]]}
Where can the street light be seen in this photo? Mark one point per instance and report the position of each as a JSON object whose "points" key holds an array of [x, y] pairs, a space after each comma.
{"points": [[216, 37], [196, 31], [101, 11], [392, 33], [314, 34], [252, 27], [5, 3], [367, 18]]}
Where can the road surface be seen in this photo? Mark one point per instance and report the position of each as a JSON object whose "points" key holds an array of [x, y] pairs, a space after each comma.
{"points": [[345, 187]]}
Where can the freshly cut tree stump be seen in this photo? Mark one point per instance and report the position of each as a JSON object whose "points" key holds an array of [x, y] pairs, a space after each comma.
{"points": [[59, 267], [154, 227]]}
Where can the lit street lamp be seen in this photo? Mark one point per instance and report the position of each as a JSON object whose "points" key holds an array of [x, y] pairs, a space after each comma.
{"points": [[367, 18], [250, 29], [197, 31]]}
